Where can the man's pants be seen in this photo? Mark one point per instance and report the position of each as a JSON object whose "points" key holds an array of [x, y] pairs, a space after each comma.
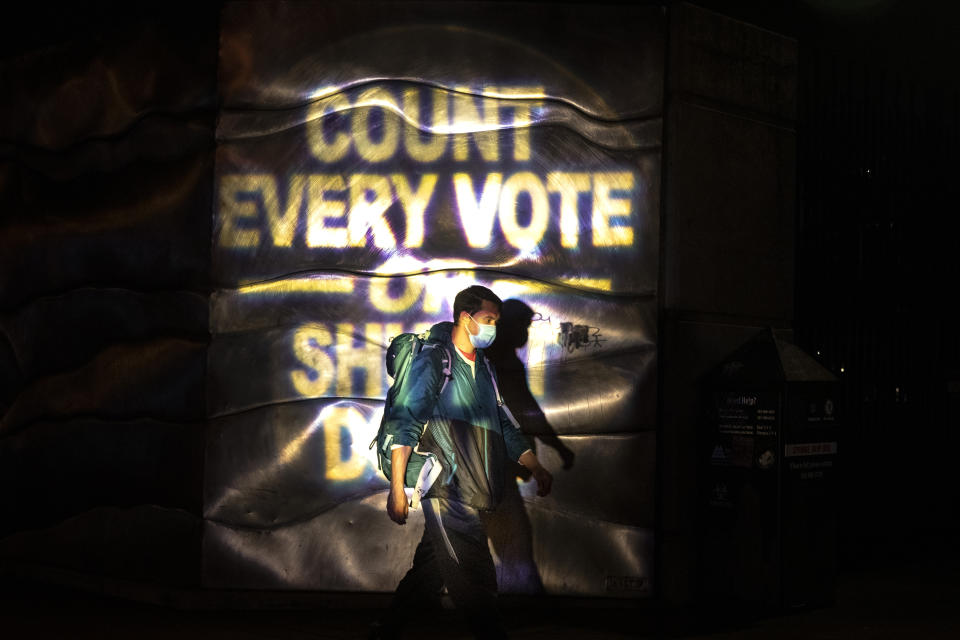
{"points": [[452, 552]]}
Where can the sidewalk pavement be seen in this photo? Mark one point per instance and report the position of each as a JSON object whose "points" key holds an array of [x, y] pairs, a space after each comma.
{"points": [[905, 602]]}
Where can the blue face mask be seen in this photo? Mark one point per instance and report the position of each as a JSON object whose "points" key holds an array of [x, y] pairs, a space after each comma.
{"points": [[486, 336]]}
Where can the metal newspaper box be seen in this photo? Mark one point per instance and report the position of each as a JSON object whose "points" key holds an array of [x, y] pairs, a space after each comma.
{"points": [[769, 455]]}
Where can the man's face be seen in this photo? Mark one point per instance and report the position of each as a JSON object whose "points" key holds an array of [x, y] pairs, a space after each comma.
{"points": [[487, 314]]}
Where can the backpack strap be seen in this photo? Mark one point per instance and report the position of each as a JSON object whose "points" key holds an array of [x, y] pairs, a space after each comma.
{"points": [[500, 402], [493, 379], [445, 362], [447, 371]]}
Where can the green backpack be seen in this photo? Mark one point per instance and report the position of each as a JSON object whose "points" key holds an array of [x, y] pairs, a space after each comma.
{"points": [[400, 354]]}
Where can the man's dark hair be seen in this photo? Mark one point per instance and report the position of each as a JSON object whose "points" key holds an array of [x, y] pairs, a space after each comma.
{"points": [[471, 299]]}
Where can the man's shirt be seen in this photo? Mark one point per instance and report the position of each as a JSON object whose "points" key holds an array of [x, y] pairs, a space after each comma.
{"points": [[471, 362]]}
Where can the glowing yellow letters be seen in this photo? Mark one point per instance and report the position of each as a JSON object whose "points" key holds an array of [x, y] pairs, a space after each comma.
{"points": [[323, 150], [414, 204], [352, 212], [524, 238], [369, 358], [376, 98], [606, 207], [232, 209], [483, 128], [413, 140], [476, 217], [522, 118], [473, 117], [367, 213], [380, 295], [338, 420], [321, 209], [282, 226], [569, 186], [315, 348], [325, 359], [309, 344], [437, 290]]}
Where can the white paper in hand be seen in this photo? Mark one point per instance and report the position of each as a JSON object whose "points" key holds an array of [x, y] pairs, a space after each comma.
{"points": [[428, 475]]}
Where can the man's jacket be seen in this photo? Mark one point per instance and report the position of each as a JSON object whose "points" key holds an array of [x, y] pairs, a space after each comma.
{"points": [[468, 432]]}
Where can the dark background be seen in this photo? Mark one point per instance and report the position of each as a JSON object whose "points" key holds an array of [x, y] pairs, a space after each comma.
{"points": [[877, 237], [878, 257]]}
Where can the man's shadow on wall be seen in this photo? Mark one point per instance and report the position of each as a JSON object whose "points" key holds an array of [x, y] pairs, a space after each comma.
{"points": [[509, 526]]}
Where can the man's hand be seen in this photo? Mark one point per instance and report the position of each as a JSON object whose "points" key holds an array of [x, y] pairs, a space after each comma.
{"points": [[397, 505], [544, 481], [397, 498], [542, 476]]}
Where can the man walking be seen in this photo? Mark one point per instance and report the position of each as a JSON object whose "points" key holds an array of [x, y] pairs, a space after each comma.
{"points": [[472, 437]]}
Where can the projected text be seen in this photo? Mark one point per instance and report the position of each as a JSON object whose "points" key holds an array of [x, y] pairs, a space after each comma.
{"points": [[339, 211]]}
